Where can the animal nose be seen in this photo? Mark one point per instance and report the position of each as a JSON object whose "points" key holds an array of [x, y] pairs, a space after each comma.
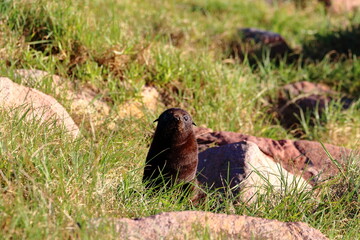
{"points": [[177, 118]]}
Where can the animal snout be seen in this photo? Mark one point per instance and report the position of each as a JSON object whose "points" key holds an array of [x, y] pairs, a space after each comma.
{"points": [[177, 118]]}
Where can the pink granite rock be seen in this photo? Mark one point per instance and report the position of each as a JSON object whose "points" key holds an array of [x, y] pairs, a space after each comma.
{"points": [[40, 106], [85, 103], [244, 169], [305, 158], [195, 224]]}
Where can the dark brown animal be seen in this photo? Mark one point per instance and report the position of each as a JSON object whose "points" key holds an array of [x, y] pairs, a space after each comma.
{"points": [[173, 154]]}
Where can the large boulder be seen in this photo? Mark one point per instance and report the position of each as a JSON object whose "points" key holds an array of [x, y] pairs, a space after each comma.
{"points": [[85, 102], [39, 105], [195, 224], [302, 158], [244, 168]]}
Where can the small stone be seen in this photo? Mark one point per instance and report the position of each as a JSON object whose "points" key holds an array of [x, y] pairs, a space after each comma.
{"points": [[255, 42]]}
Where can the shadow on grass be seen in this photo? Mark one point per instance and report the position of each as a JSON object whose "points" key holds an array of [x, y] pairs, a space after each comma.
{"points": [[337, 45], [37, 26], [258, 46]]}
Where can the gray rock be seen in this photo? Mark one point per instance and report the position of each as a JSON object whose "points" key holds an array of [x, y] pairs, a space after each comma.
{"points": [[244, 168], [301, 158]]}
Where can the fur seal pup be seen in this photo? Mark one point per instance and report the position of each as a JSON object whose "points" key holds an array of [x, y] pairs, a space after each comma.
{"points": [[173, 154]]}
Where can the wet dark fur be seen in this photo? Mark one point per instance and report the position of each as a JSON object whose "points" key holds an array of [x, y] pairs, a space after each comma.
{"points": [[173, 154]]}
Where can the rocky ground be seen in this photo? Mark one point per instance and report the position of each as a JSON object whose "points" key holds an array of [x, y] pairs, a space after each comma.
{"points": [[238, 162], [236, 167]]}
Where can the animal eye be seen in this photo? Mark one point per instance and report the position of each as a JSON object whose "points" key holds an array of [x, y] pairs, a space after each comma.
{"points": [[186, 118]]}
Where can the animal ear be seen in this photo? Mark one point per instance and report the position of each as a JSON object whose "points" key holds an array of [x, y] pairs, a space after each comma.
{"points": [[193, 124], [156, 120]]}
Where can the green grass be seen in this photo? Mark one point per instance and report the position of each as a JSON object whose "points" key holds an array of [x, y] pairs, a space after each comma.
{"points": [[49, 183]]}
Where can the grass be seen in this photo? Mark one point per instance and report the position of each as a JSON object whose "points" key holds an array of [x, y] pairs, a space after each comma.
{"points": [[50, 184]]}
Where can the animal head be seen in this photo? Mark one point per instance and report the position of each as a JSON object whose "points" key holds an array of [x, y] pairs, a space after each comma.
{"points": [[174, 121]]}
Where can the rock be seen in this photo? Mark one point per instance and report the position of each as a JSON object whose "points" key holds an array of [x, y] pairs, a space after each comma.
{"points": [[195, 224], [255, 41], [309, 98], [301, 158], [85, 103], [304, 87], [244, 168], [41, 106], [149, 100], [261, 36]]}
